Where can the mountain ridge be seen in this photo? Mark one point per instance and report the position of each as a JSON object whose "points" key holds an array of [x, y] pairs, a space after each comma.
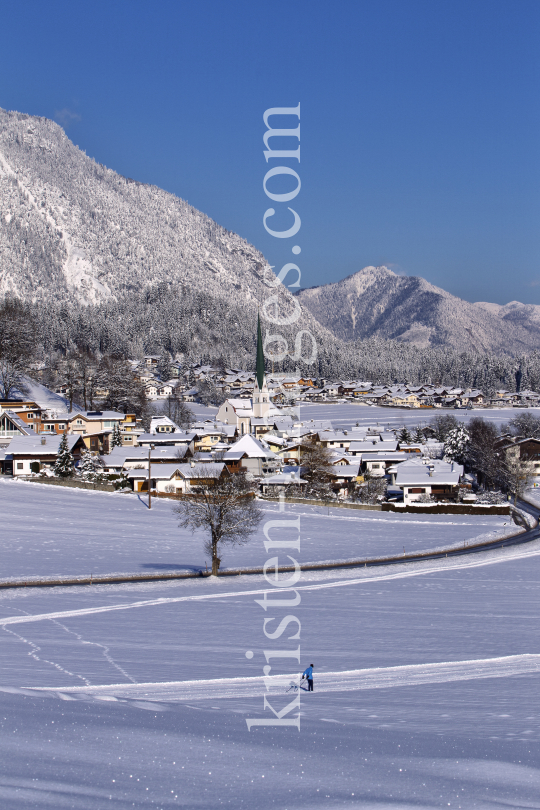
{"points": [[74, 232], [376, 302]]}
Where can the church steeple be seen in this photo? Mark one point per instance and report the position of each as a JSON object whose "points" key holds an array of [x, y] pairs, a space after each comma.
{"points": [[261, 396], [259, 368]]}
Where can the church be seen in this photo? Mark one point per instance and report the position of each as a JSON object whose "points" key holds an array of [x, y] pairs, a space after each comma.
{"points": [[256, 415]]}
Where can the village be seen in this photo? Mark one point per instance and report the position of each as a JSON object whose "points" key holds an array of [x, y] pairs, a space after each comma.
{"points": [[189, 382], [258, 430]]}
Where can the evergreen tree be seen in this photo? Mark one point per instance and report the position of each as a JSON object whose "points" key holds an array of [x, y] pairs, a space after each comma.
{"points": [[456, 444], [91, 467], [164, 367], [419, 437], [65, 462], [116, 438], [404, 436]]}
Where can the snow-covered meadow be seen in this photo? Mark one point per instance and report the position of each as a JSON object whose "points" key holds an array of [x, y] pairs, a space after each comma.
{"points": [[383, 739], [49, 531]]}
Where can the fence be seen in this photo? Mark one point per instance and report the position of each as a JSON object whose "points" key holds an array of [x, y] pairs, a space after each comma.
{"points": [[70, 482]]}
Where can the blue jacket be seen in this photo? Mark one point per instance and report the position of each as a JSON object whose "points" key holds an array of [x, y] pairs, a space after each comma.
{"points": [[308, 673]]}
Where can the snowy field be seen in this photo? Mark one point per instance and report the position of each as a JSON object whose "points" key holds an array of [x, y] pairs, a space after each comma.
{"points": [[136, 696], [48, 531], [426, 692]]}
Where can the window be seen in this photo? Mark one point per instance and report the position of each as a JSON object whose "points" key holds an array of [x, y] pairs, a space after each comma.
{"points": [[30, 415], [109, 423], [60, 427], [78, 421], [20, 465]]}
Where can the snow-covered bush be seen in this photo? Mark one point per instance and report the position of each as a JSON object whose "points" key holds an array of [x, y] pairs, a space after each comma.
{"points": [[493, 496]]}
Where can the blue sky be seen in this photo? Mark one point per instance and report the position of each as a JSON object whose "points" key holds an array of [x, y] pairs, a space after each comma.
{"points": [[420, 121]]}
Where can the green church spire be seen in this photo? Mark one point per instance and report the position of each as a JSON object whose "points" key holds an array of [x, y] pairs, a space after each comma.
{"points": [[259, 371]]}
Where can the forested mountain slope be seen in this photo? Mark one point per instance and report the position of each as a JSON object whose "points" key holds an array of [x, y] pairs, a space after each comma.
{"points": [[77, 235], [377, 302]]}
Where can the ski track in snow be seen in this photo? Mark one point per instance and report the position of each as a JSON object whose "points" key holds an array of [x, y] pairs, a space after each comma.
{"points": [[345, 681], [414, 570], [33, 654]]}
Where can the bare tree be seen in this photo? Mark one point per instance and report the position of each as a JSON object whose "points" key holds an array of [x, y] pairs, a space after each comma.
{"points": [[441, 425], [373, 490], [526, 424], [87, 377], [227, 511], [180, 413], [16, 346], [68, 373], [482, 455], [517, 472], [316, 466]]}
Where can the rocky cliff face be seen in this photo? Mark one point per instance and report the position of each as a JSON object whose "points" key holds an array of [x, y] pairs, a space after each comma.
{"points": [[377, 302]]}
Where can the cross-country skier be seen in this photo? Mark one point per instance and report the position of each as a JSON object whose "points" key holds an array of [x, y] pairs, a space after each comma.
{"points": [[308, 673]]}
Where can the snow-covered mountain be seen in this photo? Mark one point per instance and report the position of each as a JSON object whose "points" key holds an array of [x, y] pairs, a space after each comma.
{"points": [[112, 264], [377, 302], [91, 234], [74, 232]]}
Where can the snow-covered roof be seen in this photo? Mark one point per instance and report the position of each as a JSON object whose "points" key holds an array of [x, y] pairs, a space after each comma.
{"points": [[120, 455], [251, 447], [418, 473], [91, 416], [19, 423], [166, 471], [372, 445], [176, 439], [162, 421], [284, 478], [397, 456], [41, 445]]}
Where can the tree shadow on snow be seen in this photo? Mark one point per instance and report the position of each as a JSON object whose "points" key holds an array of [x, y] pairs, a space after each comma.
{"points": [[172, 567]]}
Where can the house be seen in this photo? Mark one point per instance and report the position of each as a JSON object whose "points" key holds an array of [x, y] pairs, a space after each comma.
{"points": [[177, 439], [121, 459], [273, 485], [405, 400], [334, 438], [177, 479], [438, 479], [95, 422], [11, 425], [27, 411], [377, 464], [162, 424], [526, 449], [31, 454], [411, 448], [252, 455], [342, 478], [98, 442]]}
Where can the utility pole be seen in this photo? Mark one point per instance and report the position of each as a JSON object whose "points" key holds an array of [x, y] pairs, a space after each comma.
{"points": [[150, 448]]}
